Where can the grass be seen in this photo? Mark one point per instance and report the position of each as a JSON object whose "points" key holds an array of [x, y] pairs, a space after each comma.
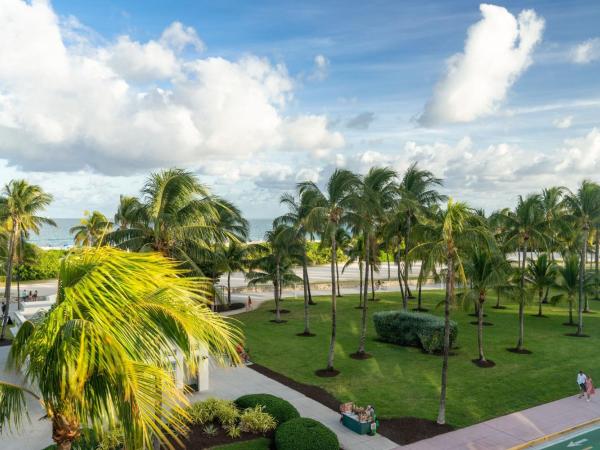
{"points": [[255, 444], [401, 381]]}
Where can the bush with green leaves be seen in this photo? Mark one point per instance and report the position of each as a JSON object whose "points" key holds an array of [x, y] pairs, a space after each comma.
{"points": [[280, 409], [256, 420], [305, 434], [40, 265], [214, 410], [414, 329]]}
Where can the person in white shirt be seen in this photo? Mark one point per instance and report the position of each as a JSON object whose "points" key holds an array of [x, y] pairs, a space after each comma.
{"points": [[581, 379]]}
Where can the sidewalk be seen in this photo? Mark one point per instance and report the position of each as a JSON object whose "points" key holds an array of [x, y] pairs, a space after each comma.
{"points": [[232, 383], [517, 428]]}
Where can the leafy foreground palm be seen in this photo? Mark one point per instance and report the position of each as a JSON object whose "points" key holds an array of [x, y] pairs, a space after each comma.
{"points": [[101, 356]]}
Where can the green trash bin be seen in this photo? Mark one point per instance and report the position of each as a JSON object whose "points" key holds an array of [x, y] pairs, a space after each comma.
{"points": [[352, 423]]}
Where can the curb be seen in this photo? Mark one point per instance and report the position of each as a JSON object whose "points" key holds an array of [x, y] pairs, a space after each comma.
{"points": [[551, 436]]}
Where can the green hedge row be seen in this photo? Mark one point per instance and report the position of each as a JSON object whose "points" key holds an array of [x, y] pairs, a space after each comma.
{"points": [[414, 329], [280, 409], [42, 265], [305, 434]]}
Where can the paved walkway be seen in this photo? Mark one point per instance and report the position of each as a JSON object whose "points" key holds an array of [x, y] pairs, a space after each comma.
{"points": [[231, 383], [516, 429]]}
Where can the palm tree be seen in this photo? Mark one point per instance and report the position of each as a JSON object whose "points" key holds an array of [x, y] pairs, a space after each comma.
{"points": [[91, 230], [584, 206], [541, 275], [355, 254], [129, 212], [103, 354], [417, 191], [485, 271], [522, 227], [180, 218], [20, 204], [373, 197], [453, 232], [567, 282], [327, 211], [233, 259]]}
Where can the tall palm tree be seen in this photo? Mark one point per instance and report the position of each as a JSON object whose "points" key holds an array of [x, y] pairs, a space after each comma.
{"points": [[523, 228], [373, 197], [180, 218], [453, 232], [20, 204], [567, 283], [129, 212], [91, 230], [103, 355], [327, 212], [417, 191], [485, 271], [584, 206], [233, 258], [541, 275]]}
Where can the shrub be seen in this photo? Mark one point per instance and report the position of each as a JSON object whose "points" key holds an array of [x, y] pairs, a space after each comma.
{"points": [[305, 434], [210, 430], [413, 328], [280, 409], [214, 409], [233, 431], [255, 420]]}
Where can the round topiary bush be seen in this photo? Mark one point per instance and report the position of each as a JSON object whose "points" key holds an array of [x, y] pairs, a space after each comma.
{"points": [[305, 434], [280, 409]]}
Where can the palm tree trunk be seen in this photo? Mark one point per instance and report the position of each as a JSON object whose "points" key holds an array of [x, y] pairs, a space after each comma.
{"points": [[596, 258], [406, 250], [9, 267], [441, 419], [400, 277], [305, 290], [337, 276], [372, 284], [387, 256], [522, 301], [582, 281], [64, 431], [363, 328], [333, 305], [540, 300], [480, 326], [570, 312], [420, 286], [229, 288], [310, 300], [360, 283], [277, 293], [498, 299]]}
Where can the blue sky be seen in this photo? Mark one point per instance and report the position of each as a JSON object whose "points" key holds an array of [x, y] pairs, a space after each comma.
{"points": [[329, 84]]}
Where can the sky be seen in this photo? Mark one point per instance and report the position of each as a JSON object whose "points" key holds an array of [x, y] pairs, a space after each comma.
{"points": [[496, 99]]}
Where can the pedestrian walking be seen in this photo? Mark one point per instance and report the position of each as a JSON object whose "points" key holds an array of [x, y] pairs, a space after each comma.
{"points": [[24, 295], [35, 295], [30, 296], [581, 379], [249, 304], [589, 388]]}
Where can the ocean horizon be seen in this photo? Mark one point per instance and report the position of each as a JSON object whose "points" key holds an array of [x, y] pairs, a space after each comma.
{"points": [[59, 236]]}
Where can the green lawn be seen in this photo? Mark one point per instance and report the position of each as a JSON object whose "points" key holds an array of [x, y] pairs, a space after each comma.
{"points": [[402, 381], [261, 443]]}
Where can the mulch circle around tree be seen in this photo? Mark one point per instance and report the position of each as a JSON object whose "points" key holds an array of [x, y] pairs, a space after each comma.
{"points": [[358, 307], [499, 307], [539, 317], [577, 335], [475, 315], [589, 312], [520, 352], [281, 311], [402, 430], [485, 324], [231, 307], [567, 324], [303, 334], [278, 321], [406, 430], [361, 356], [5, 342], [420, 309], [327, 373], [197, 438], [311, 303], [483, 364]]}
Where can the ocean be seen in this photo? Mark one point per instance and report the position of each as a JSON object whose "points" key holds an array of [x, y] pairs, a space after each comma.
{"points": [[59, 236]]}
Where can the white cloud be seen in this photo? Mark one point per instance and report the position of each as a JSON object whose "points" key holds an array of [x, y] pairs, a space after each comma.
{"points": [[321, 69], [586, 52], [497, 51], [563, 122], [68, 103]]}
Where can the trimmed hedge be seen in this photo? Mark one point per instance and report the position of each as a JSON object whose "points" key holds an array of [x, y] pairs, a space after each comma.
{"points": [[305, 434], [414, 329], [280, 409]]}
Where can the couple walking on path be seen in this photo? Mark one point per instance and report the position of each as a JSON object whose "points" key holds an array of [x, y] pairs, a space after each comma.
{"points": [[586, 386]]}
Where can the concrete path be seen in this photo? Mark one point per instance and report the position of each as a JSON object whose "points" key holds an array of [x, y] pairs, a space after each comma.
{"points": [[231, 383], [517, 428]]}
